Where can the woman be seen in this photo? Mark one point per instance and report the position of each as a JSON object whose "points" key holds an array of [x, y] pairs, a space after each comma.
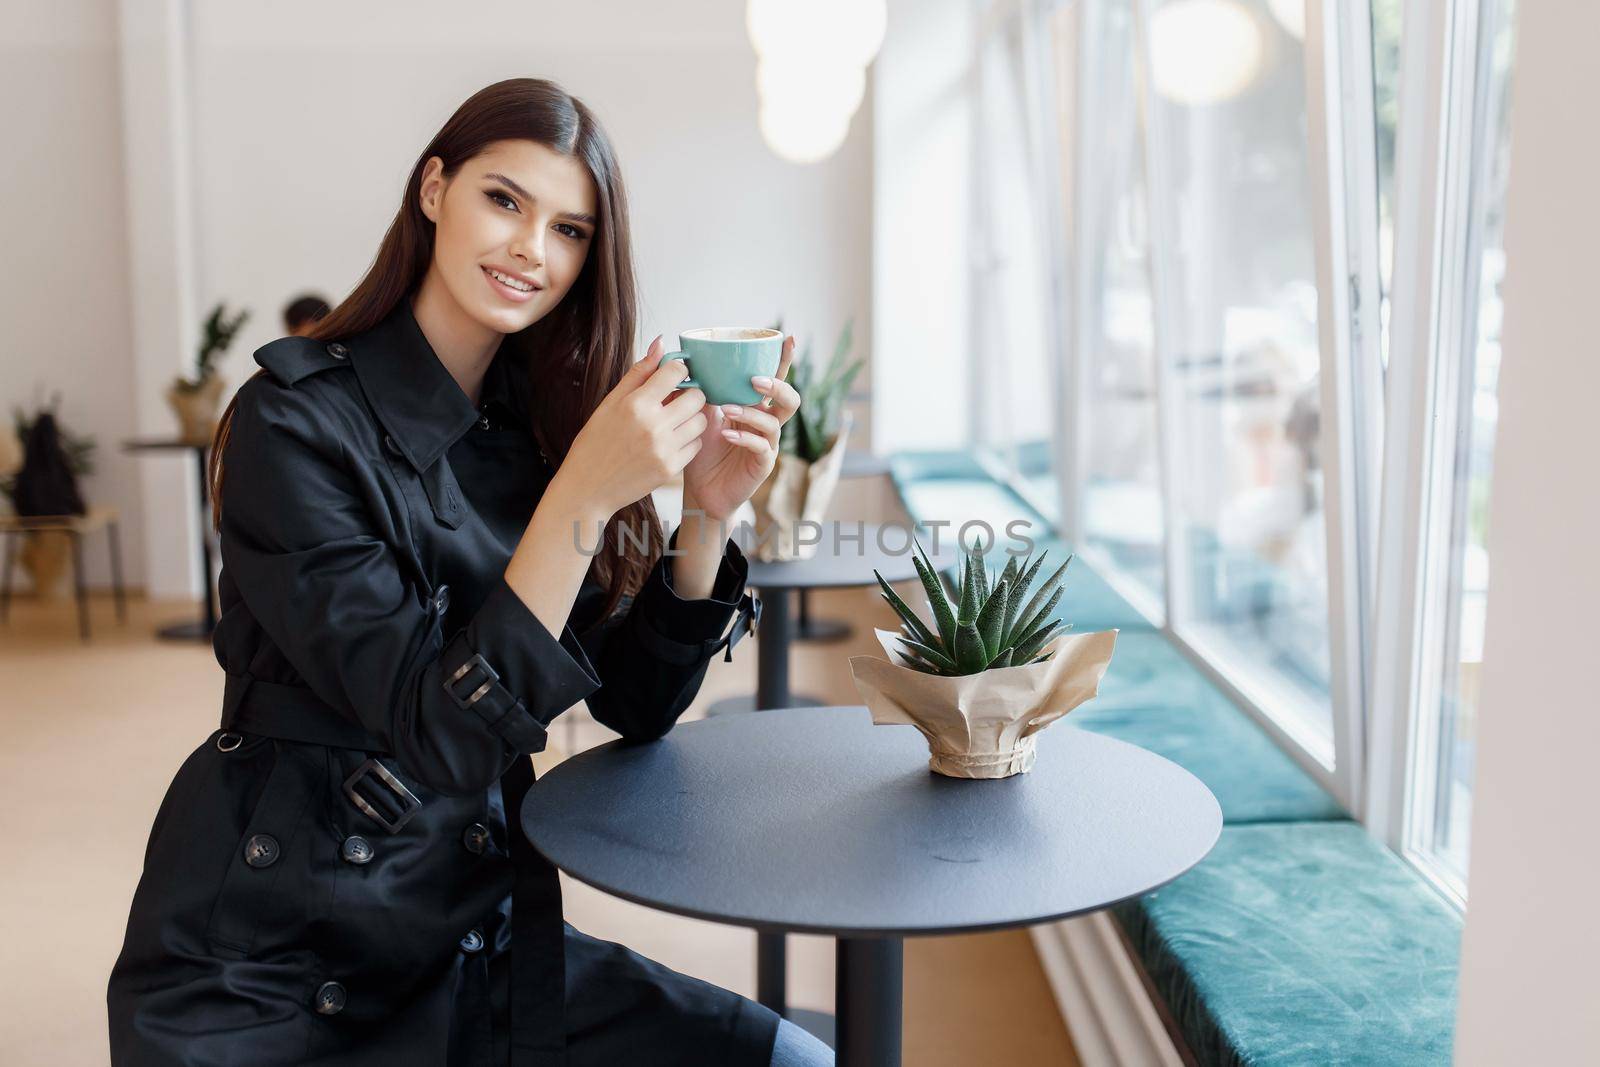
{"points": [[408, 501]]}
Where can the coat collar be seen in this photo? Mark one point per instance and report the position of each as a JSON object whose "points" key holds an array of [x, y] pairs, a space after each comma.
{"points": [[416, 399]]}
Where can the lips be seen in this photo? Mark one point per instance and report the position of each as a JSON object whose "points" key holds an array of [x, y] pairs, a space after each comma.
{"points": [[512, 287]]}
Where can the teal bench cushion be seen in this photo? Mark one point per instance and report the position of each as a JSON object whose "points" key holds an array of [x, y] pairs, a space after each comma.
{"points": [[1301, 943], [1153, 697]]}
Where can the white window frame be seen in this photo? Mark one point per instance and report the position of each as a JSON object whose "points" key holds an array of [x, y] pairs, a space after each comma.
{"points": [[1442, 126]]}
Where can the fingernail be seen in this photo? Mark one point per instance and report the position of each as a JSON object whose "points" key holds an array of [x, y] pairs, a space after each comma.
{"points": [[761, 381], [732, 409], [732, 435]]}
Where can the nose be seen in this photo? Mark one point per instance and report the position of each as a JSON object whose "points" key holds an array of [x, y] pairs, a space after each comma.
{"points": [[529, 247]]}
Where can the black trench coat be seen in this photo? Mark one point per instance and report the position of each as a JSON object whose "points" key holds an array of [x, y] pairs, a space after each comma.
{"points": [[336, 876]]}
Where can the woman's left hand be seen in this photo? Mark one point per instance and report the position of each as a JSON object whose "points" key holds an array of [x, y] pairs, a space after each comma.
{"points": [[739, 447]]}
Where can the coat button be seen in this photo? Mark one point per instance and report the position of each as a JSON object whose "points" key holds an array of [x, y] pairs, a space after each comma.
{"points": [[472, 943], [476, 838], [388, 442], [330, 998], [261, 850], [338, 351], [441, 599], [356, 850]]}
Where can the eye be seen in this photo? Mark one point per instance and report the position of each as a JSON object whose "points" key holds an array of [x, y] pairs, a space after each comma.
{"points": [[576, 233], [501, 198]]}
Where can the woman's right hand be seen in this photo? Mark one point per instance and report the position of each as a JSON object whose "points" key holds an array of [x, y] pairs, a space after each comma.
{"points": [[642, 435]]}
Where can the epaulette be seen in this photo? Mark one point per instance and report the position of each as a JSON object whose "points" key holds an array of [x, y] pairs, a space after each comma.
{"points": [[290, 359]]}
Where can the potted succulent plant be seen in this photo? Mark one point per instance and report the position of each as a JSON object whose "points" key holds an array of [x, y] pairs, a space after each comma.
{"points": [[810, 453], [196, 400], [992, 668]]}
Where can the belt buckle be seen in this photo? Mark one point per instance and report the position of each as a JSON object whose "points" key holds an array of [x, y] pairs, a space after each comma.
{"points": [[480, 684], [409, 804]]}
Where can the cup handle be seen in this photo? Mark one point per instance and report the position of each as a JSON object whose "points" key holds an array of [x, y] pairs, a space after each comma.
{"points": [[687, 383]]}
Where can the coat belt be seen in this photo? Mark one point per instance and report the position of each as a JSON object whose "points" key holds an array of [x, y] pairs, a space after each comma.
{"points": [[290, 713]]}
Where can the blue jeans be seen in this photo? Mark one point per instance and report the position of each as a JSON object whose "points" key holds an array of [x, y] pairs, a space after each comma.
{"points": [[798, 1048]]}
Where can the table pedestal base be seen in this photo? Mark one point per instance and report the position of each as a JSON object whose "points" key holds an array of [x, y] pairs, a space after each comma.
{"points": [[199, 630]]}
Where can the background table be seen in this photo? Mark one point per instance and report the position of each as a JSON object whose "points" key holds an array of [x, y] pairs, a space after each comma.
{"points": [[99, 516], [841, 562], [858, 463], [815, 820], [199, 630]]}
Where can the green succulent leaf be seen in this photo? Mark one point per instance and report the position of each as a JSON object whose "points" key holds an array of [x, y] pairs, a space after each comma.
{"points": [[905, 612], [1018, 590], [1002, 660], [970, 598], [943, 614], [990, 619], [929, 653], [1040, 619], [1045, 591], [970, 655], [1032, 646]]}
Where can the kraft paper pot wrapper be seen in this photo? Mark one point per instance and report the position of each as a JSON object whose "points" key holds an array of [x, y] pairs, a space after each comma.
{"points": [[983, 725], [795, 492]]}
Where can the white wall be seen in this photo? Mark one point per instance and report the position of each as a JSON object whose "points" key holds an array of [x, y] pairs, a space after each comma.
{"points": [[922, 272], [64, 307], [1529, 986]]}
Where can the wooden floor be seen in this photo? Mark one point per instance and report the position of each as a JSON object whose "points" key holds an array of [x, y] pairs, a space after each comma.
{"points": [[90, 736]]}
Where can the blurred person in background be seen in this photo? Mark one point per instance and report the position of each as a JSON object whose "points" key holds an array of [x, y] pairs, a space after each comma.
{"points": [[302, 313], [406, 498]]}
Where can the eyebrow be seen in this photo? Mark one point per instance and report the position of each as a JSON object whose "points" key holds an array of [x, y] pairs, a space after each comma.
{"points": [[520, 191]]}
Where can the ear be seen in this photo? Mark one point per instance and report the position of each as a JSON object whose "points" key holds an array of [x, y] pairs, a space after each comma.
{"points": [[431, 192]]}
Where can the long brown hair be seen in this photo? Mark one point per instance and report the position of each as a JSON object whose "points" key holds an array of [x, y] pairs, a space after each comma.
{"points": [[586, 340]]}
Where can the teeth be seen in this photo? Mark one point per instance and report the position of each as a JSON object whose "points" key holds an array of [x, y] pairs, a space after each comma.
{"points": [[515, 283]]}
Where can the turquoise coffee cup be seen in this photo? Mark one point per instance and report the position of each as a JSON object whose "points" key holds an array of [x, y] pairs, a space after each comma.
{"points": [[723, 359]]}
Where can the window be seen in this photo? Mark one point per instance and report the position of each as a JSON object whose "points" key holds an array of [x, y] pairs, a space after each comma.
{"points": [[1115, 431], [1235, 263], [1282, 296], [1015, 345]]}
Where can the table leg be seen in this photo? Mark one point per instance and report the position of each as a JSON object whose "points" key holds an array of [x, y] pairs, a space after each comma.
{"points": [[5, 583], [115, 539], [210, 613], [867, 998], [78, 584], [823, 630], [772, 650], [772, 977], [201, 628], [772, 663]]}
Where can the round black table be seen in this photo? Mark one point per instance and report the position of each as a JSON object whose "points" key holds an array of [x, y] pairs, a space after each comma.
{"points": [[857, 463], [200, 629], [814, 820], [846, 556]]}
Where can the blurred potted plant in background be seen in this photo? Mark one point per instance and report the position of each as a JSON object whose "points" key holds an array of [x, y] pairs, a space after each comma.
{"points": [[44, 553], [988, 673], [196, 400], [810, 452]]}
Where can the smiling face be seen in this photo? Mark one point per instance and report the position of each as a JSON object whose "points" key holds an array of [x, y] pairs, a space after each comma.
{"points": [[513, 228]]}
